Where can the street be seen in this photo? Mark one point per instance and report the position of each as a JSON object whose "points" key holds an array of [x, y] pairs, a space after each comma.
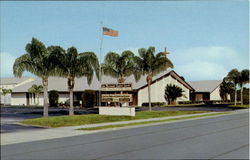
{"points": [[223, 137]]}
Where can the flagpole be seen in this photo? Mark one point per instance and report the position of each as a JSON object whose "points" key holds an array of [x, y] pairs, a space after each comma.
{"points": [[100, 58]]}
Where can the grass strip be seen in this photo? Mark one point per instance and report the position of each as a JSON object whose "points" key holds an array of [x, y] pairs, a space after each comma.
{"points": [[62, 121], [147, 122], [239, 106]]}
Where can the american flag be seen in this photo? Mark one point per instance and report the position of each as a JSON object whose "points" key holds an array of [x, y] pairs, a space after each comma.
{"points": [[109, 32]]}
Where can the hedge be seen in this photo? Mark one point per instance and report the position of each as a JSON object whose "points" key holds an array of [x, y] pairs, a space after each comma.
{"points": [[154, 104]]}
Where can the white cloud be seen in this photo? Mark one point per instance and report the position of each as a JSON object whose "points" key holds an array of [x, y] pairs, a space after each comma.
{"points": [[7, 61], [206, 63], [134, 50]]}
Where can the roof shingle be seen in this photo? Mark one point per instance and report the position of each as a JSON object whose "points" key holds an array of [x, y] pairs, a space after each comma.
{"points": [[205, 86]]}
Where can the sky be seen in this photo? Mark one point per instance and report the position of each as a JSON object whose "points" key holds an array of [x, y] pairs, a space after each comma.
{"points": [[205, 39]]}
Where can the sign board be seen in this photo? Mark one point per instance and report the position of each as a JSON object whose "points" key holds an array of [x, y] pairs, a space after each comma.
{"points": [[117, 87], [116, 98]]}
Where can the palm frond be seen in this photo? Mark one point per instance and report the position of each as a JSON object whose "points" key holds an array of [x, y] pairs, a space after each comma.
{"points": [[23, 63]]}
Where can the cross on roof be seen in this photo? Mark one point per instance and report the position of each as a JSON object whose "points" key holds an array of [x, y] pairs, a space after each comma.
{"points": [[165, 52]]}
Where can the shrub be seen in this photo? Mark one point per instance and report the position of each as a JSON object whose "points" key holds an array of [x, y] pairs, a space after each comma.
{"points": [[53, 98], [154, 104], [88, 98], [201, 102], [172, 92]]}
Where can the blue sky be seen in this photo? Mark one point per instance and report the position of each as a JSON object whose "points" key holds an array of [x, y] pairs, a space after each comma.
{"points": [[206, 39]]}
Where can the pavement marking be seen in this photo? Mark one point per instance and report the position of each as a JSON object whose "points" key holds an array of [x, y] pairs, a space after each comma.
{"points": [[161, 144], [229, 151]]}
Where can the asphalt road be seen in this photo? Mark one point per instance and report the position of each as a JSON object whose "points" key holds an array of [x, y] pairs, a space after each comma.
{"points": [[211, 138]]}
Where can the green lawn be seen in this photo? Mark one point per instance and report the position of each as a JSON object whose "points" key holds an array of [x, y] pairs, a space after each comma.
{"points": [[239, 106], [60, 121], [147, 122]]}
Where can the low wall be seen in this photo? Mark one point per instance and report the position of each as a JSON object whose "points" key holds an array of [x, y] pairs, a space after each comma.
{"points": [[119, 111]]}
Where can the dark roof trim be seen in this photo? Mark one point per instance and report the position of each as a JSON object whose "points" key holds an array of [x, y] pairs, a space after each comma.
{"points": [[183, 81], [201, 92], [173, 74]]}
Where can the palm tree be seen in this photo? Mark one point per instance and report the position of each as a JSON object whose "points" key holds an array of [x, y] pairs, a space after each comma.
{"points": [[172, 92], [233, 76], [225, 89], [36, 90], [39, 61], [243, 79], [149, 64], [120, 66], [71, 65]]}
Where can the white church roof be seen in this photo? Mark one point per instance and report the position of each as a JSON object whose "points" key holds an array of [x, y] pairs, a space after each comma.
{"points": [[205, 86], [60, 84]]}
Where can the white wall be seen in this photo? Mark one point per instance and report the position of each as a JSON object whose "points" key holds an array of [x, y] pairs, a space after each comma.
{"points": [[62, 98], [158, 90], [18, 99], [215, 95], [7, 98]]}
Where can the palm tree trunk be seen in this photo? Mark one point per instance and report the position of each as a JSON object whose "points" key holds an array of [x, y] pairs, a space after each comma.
{"points": [[241, 95], [37, 96], [4, 100], [34, 96], [235, 96], [71, 108], [149, 95], [45, 99], [71, 83]]}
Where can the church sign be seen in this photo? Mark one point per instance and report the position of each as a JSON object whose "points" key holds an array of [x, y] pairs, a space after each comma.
{"points": [[116, 98], [117, 87]]}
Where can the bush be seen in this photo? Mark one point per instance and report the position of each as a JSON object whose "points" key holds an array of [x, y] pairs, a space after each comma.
{"points": [[88, 98], [172, 92], [154, 104], [201, 102], [75, 103], [190, 102], [53, 98]]}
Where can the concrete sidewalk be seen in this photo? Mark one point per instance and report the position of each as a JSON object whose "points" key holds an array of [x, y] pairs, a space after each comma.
{"points": [[52, 133]]}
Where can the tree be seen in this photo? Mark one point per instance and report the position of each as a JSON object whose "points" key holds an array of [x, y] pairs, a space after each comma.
{"points": [[225, 89], [71, 65], [172, 92], [149, 64], [120, 66], [243, 79], [4, 92], [233, 76], [39, 61], [36, 89]]}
